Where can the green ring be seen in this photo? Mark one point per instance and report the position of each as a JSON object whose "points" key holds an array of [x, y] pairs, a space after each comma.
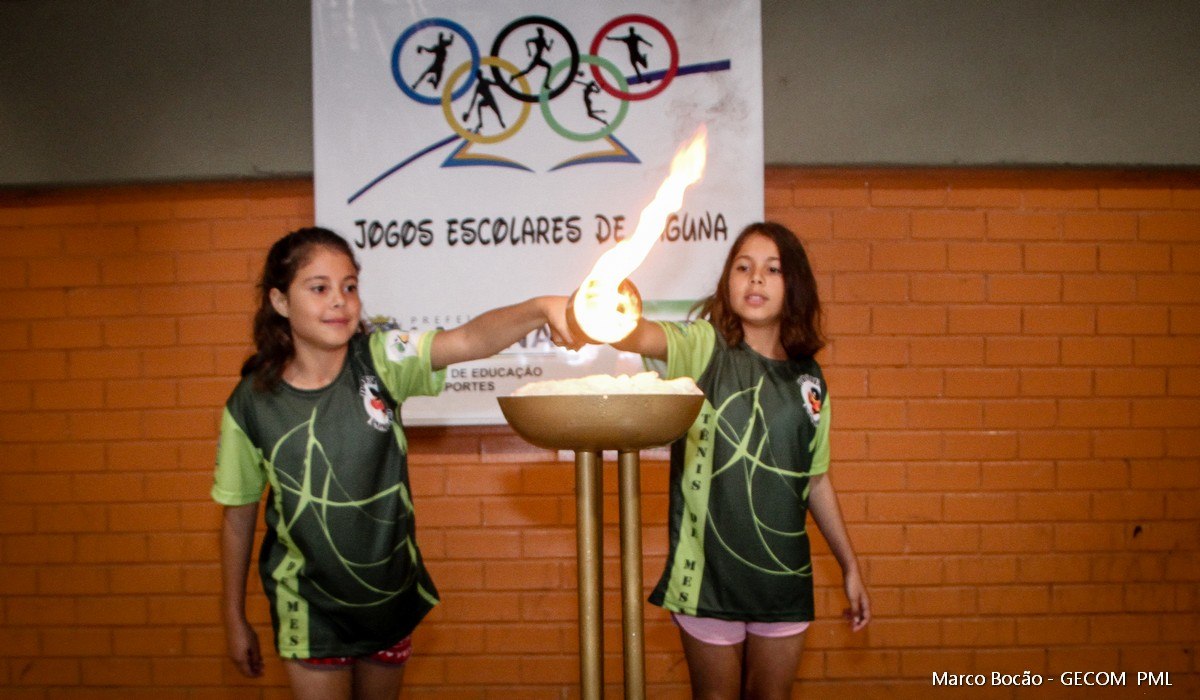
{"points": [[544, 99]]}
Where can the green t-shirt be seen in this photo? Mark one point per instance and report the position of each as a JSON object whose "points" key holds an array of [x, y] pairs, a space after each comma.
{"points": [[739, 546], [339, 561]]}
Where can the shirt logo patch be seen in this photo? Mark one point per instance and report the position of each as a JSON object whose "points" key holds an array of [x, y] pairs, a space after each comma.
{"points": [[379, 416], [814, 396], [397, 345]]}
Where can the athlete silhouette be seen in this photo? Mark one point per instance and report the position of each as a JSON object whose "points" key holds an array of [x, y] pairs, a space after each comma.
{"points": [[590, 88], [483, 97], [535, 46], [632, 41], [434, 71]]}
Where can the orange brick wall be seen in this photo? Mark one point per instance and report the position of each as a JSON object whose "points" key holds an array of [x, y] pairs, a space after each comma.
{"points": [[1015, 361]]}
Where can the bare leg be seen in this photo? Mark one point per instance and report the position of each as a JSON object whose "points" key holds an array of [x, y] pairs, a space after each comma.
{"points": [[715, 671], [319, 683], [377, 681], [771, 666]]}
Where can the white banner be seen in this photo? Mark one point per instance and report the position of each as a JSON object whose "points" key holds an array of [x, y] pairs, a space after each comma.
{"points": [[478, 153]]}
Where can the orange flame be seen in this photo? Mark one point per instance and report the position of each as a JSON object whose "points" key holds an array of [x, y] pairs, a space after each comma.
{"points": [[603, 310]]}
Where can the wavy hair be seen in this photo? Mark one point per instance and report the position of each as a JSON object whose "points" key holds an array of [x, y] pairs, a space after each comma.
{"points": [[272, 332], [800, 327]]}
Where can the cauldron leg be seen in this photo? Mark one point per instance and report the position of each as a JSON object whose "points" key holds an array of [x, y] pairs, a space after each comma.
{"points": [[589, 556], [631, 573]]}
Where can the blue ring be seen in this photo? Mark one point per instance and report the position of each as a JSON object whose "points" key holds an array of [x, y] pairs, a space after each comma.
{"points": [[423, 24]]}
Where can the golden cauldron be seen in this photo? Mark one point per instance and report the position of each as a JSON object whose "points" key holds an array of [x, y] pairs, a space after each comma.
{"points": [[590, 424]]}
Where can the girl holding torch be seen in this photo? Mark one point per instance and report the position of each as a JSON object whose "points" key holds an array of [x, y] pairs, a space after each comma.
{"points": [[738, 577], [316, 418]]}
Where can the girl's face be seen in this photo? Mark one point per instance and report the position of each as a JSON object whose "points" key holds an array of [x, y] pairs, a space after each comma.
{"points": [[322, 304], [756, 289]]}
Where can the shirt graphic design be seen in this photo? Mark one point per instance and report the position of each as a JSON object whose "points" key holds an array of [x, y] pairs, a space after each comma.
{"points": [[339, 561], [739, 544]]}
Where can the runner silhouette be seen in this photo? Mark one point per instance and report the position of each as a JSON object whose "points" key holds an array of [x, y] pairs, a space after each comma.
{"points": [[632, 41], [483, 97], [535, 46], [590, 88], [434, 71]]}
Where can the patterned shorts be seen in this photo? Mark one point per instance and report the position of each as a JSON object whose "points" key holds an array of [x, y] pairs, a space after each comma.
{"points": [[395, 655]]}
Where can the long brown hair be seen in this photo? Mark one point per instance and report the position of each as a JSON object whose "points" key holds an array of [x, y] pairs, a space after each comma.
{"points": [[272, 332], [800, 326]]}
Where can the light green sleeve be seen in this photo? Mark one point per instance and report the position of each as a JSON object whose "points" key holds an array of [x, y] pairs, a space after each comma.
{"points": [[239, 478], [402, 360], [820, 441], [689, 347]]}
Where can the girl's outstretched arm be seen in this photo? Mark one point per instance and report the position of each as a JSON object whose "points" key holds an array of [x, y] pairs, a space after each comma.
{"points": [[237, 541], [648, 340], [822, 502], [492, 331]]}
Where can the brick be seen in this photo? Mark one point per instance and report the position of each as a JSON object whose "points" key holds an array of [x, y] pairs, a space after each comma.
{"points": [[1182, 226], [68, 396], [1134, 197], [1020, 414], [138, 270], [1031, 538], [1021, 351], [1165, 290], [100, 241], [983, 320], [1025, 289], [840, 195], [942, 414], [217, 267], [1065, 198], [932, 539], [1050, 507], [908, 256], [1115, 443], [903, 507], [948, 225], [875, 287], [1060, 257], [212, 330], [984, 257], [907, 193], [975, 569], [978, 383], [941, 476], [1100, 226], [986, 197], [1094, 413], [27, 243], [870, 351], [66, 333], [1058, 630], [1132, 320], [872, 225], [890, 444], [1002, 225], [981, 445], [105, 425], [172, 237], [104, 302], [1014, 600], [808, 225], [1100, 289], [33, 303], [1054, 568], [176, 300], [1056, 382], [944, 288], [1092, 352], [63, 272], [1134, 257], [71, 518], [981, 508], [908, 320]]}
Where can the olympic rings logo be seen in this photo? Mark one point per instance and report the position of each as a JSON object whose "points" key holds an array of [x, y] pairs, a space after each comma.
{"points": [[528, 49]]}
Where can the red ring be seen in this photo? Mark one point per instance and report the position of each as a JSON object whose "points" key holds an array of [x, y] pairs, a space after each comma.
{"points": [[671, 70]]}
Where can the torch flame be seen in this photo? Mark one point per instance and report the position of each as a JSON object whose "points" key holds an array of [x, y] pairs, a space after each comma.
{"points": [[605, 312]]}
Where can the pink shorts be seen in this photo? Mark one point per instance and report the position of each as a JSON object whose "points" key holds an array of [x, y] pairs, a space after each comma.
{"points": [[396, 655], [728, 632]]}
